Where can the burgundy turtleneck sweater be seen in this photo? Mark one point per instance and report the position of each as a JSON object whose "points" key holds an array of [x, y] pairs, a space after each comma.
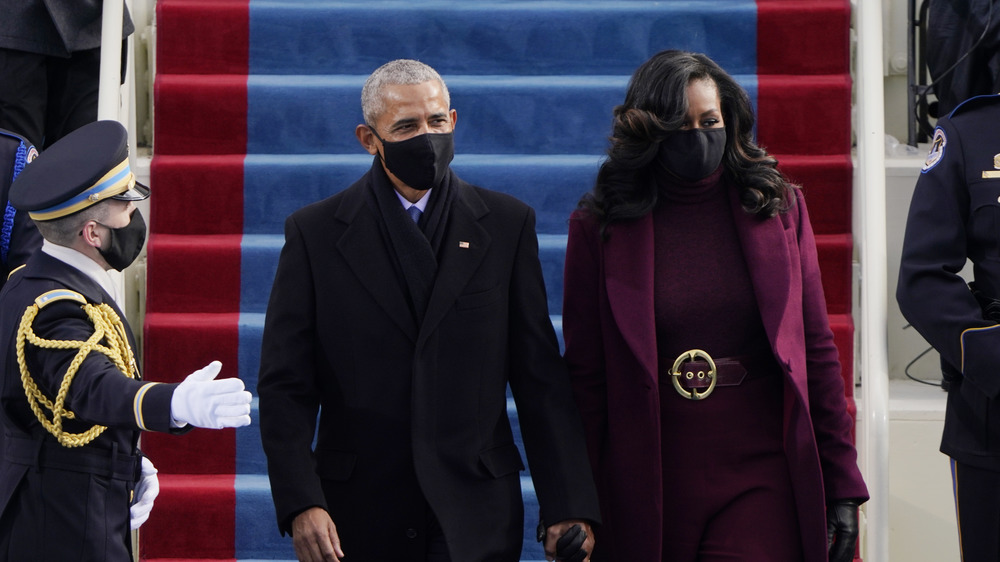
{"points": [[703, 295]]}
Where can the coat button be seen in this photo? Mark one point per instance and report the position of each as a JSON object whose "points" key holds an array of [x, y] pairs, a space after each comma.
{"points": [[411, 533]]}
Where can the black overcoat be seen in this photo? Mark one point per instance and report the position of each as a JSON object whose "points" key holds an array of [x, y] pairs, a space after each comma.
{"points": [[414, 418]]}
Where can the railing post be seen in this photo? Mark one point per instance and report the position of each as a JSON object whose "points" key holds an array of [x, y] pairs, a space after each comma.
{"points": [[870, 195], [108, 100]]}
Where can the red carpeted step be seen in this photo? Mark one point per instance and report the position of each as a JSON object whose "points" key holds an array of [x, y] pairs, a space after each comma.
{"points": [[193, 518], [199, 452], [803, 36], [177, 345], [835, 254], [216, 36], [203, 337], [827, 182], [193, 273], [200, 114], [843, 336], [804, 114], [197, 194]]}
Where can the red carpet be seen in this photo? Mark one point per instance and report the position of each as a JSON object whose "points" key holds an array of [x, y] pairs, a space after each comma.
{"points": [[255, 106]]}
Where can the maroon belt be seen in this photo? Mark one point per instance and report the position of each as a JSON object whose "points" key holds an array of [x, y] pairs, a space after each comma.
{"points": [[695, 373]]}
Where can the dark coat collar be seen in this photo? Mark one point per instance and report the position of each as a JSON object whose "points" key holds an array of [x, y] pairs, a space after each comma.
{"points": [[363, 248]]}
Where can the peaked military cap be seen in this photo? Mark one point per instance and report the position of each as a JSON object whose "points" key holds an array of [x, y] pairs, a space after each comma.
{"points": [[81, 169]]}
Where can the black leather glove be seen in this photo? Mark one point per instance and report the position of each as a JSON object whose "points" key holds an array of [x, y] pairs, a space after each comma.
{"points": [[568, 547], [841, 529]]}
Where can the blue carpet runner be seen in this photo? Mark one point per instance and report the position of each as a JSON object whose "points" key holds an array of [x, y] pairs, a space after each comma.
{"points": [[255, 108]]}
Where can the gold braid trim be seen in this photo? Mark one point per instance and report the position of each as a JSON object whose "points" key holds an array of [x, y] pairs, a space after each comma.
{"points": [[107, 327]]}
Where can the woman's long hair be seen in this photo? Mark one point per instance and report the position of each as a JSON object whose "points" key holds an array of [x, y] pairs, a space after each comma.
{"points": [[655, 105]]}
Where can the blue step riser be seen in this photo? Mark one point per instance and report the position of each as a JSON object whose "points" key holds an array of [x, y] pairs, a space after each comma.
{"points": [[277, 185], [528, 38], [260, 261], [496, 115]]}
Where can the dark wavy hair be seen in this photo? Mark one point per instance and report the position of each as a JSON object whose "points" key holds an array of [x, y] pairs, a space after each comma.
{"points": [[655, 105]]}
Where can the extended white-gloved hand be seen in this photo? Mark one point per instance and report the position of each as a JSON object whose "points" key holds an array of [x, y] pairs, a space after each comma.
{"points": [[204, 402], [145, 492]]}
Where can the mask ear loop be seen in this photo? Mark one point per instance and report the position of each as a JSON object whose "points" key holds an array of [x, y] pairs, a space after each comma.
{"points": [[382, 140]]}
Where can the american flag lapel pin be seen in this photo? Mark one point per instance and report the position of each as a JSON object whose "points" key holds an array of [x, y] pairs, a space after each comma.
{"points": [[463, 244]]}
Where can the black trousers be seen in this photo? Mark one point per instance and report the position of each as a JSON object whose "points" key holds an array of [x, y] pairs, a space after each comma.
{"points": [[44, 98], [977, 508]]}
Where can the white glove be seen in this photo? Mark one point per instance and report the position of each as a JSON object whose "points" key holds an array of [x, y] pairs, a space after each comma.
{"points": [[204, 402], [145, 492]]}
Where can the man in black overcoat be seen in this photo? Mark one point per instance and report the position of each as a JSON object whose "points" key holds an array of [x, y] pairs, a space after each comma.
{"points": [[401, 309], [72, 400]]}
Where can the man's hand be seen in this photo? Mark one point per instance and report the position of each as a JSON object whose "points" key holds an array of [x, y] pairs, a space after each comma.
{"points": [[554, 546], [202, 401], [315, 537]]}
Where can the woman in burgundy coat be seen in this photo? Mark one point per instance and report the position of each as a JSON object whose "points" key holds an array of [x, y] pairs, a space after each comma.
{"points": [[698, 341]]}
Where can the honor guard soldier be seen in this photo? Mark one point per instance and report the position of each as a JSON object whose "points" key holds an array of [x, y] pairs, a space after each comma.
{"points": [[18, 236], [954, 217], [72, 399]]}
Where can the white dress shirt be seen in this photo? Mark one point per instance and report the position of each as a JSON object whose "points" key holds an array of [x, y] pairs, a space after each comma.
{"points": [[89, 267]]}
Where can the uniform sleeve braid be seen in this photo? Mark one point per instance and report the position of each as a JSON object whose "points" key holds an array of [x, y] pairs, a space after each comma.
{"points": [[108, 328]]}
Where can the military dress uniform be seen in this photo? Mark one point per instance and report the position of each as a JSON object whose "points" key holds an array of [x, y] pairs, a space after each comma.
{"points": [[955, 216], [18, 236], [72, 402]]}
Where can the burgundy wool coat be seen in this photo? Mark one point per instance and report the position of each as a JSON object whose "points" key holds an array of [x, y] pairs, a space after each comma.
{"points": [[609, 329]]}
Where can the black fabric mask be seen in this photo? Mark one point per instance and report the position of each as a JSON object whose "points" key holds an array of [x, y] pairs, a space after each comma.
{"points": [[693, 154], [126, 242], [420, 162]]}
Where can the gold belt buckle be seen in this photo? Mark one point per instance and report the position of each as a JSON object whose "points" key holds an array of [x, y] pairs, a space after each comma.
{"points": [[677, 375]]}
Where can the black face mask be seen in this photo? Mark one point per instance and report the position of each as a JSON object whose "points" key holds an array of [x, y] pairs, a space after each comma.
{"points": [[420, 162], [126, 242], [694, 154]]}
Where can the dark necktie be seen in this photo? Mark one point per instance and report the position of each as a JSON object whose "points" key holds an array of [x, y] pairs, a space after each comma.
{"points": [[414, 213]]}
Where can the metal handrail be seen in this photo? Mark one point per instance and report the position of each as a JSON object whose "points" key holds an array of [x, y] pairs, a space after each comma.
{"points": [[869, 193], [112, 103], [108, 98]]}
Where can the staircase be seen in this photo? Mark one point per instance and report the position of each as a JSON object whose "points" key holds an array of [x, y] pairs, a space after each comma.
{"points": [[255, 108]]}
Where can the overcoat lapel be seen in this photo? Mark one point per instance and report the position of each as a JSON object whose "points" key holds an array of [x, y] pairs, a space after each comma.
{"points": [[465, 245], [766, 252], [630, 280], [628, 274], [364, 249]]}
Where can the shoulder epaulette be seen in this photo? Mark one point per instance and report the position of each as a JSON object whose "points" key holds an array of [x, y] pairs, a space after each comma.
{"points": [[59, 295], [974, 101], [15, 270]]}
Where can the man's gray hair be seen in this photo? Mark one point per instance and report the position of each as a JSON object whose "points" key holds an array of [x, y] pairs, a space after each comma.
{"points": [[64, 230], [397, 72]]}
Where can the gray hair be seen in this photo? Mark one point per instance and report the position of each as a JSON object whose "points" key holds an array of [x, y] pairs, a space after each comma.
{"points": [[64, 230], [397, 72]]}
